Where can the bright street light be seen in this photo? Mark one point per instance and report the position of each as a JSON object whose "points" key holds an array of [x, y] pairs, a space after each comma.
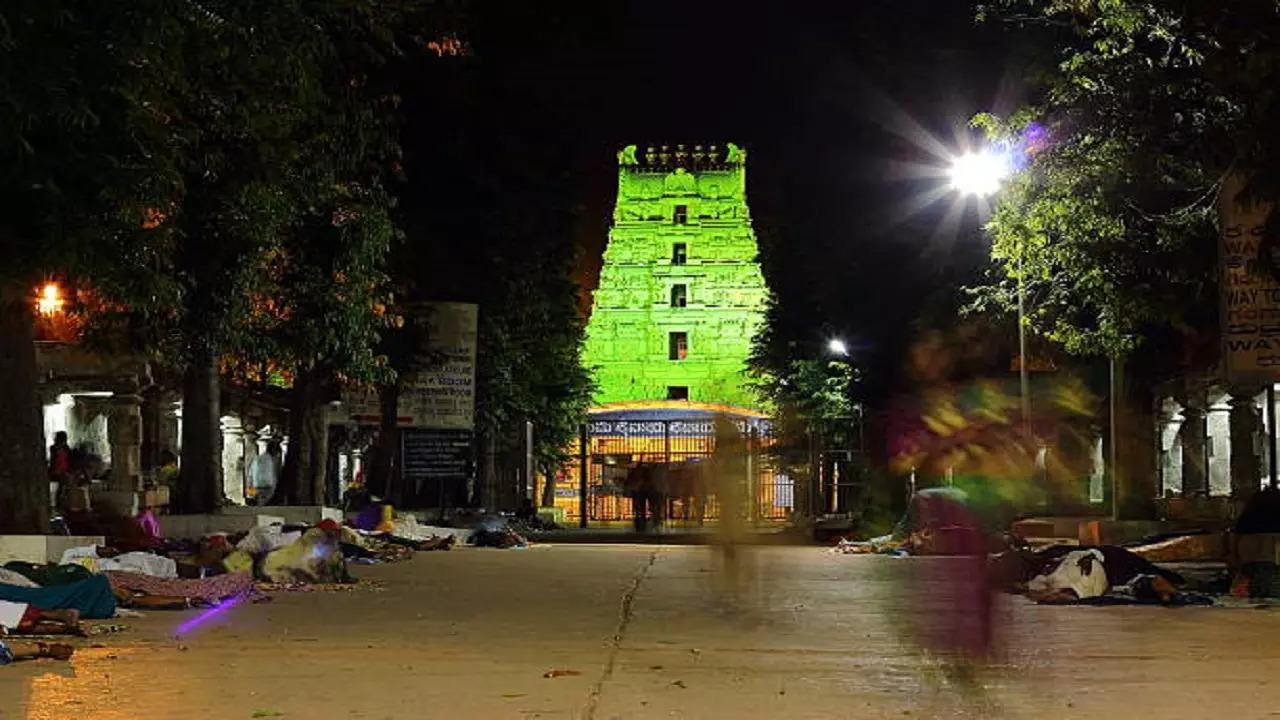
{"points": [[836, 346], [980, 173]]}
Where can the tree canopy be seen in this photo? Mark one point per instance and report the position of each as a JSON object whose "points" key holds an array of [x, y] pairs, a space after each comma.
{"points": [[213, 175], [80, 136], [1140, 110]]}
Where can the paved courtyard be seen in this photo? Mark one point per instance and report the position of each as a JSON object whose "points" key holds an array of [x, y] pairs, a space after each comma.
{"points": [[630, 631]]}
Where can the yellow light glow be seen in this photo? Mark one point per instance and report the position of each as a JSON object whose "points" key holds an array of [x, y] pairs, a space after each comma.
{"points": [[50, 301]]}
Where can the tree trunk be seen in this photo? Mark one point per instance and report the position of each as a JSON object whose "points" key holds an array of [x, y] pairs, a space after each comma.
{"points": [[379, 478], [1136, 451], [24, 478], [151, 414], [318, 428], [302, 467], [489, 473], [549, 489], [200, 482]]}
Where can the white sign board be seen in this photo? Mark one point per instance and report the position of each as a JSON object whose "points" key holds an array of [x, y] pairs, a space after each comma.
{"points": [[1250, 291], [443, 395]]}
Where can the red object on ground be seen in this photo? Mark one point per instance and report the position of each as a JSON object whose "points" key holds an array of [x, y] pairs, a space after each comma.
{"points": [[330, 525]]}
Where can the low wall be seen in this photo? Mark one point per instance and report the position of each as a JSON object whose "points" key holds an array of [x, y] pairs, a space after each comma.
{"points": [[292, 514], [197, 526]]}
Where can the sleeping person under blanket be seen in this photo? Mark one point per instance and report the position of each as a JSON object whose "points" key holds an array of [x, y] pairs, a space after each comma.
{"points": [[1068, 574]]}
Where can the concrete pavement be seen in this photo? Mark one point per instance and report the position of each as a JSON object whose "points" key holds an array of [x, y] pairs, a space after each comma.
{"points": [[633, 631]]}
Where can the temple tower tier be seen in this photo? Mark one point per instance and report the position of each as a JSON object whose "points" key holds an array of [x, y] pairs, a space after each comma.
{"points": [[681, 295]]}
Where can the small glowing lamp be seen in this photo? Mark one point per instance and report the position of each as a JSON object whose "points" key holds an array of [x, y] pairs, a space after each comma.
{"points": [[50, 301]]}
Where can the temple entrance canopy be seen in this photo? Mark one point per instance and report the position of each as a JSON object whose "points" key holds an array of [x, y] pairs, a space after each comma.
{"points": [[672, 433]]}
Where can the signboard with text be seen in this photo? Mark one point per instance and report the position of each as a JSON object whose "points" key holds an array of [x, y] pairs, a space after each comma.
{"points": [[437, 455], [1250, 290], [442, 395]]}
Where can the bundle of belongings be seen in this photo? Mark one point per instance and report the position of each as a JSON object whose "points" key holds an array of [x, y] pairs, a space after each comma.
{"points": [[938, 521], [27, 609], [1098, 575], [1254, 572], [279, 555], [97, 595], [379, 527], [494, 531]]}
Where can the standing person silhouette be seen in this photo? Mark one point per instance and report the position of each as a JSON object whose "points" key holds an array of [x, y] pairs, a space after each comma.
{"points": [[728, 469]]}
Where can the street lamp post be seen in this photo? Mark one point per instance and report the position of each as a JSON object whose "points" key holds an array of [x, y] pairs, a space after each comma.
{"points": [[836, 347], [1024, 379], [980, 174]]}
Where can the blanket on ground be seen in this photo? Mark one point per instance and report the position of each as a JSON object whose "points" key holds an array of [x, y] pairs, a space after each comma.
{"points": [[92, 597], [211, 589]]}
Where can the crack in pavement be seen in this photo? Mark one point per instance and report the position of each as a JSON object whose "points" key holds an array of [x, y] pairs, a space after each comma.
{"points": [[624, 619]]}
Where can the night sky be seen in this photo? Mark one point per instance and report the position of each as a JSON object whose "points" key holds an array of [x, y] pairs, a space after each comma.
{"points": [[831, 99]]}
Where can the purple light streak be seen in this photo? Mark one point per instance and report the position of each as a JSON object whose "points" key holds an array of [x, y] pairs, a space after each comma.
{"points": [[214, 611]]}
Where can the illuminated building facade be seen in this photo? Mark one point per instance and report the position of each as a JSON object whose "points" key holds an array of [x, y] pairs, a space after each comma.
{"points": [[681, 294]]}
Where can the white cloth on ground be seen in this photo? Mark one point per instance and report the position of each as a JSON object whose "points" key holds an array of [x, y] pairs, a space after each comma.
{"points": [[9, 577], [144, 563], [351, 536], [71, 556], [408, 527], [265, 538], [1080, 571], [11, 613]]}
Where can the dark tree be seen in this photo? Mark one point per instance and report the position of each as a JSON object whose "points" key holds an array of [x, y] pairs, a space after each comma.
{"points": [[83, 151]]}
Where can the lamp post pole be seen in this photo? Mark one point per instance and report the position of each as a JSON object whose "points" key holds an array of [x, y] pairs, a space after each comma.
{"points": [[980, 174], [1024, 377]]}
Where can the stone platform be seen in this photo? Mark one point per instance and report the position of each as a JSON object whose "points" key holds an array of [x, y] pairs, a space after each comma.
{"points": [[41, 549]]}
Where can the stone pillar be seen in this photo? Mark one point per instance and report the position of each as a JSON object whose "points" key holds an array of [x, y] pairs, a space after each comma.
{"points": [[1246, 461], [1218, 422], [1098, 477], [1167, 427], [1195, 459], [124, 434], [233, 459], [252, 443], [169, 434], [151, 411]]}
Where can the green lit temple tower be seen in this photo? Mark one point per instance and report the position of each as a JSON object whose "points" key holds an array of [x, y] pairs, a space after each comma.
{"points": [[681, 294]]}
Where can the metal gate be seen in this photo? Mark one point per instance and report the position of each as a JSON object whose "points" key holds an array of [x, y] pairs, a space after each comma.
{"points": [[612, 446]]}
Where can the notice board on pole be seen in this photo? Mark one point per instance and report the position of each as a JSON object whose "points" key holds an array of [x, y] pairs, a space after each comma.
{"points": [[1249, 266], [436, 464]]}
